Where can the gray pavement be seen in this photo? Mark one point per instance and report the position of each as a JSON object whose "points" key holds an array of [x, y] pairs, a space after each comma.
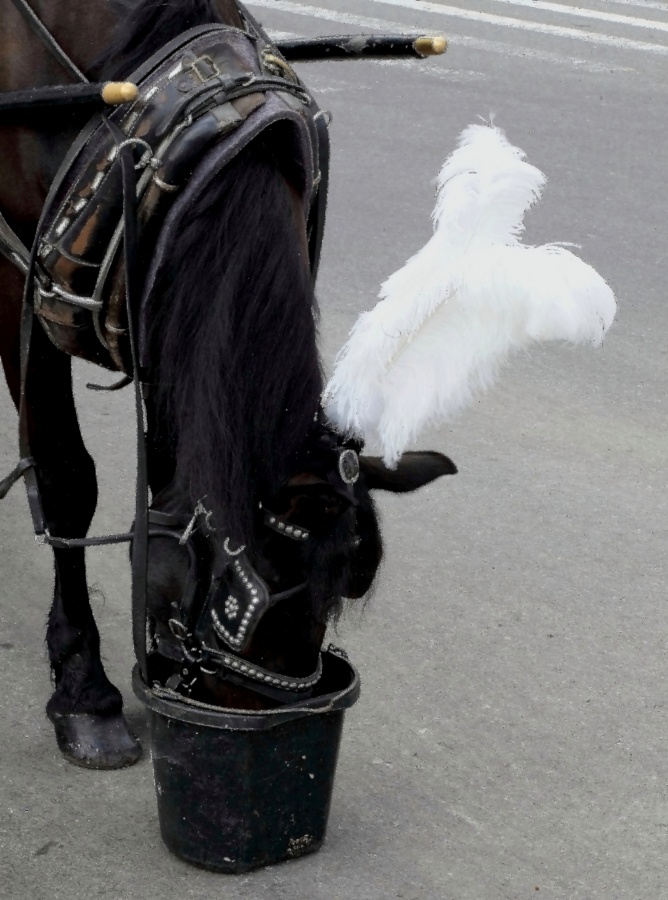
{"points": [[511, 737]]}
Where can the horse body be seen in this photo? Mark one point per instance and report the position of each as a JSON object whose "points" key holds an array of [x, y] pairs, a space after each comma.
{"points": [[233, 399]]}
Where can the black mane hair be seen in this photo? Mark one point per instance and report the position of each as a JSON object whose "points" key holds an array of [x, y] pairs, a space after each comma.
{"points": [[233, 340], [144, 26], [235, 373]]}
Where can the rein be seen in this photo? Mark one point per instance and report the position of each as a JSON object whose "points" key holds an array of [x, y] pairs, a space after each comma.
{"points": [[48, 39]]}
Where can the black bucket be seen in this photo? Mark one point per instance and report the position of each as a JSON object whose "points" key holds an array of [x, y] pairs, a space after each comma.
{"points": [[240, 789]]}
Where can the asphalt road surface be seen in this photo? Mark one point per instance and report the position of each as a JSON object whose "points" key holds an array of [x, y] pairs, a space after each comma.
{"points": [[511, 739]]}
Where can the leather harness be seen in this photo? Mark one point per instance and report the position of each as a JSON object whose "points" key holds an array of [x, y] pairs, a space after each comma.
{"points": [[122, 189]]}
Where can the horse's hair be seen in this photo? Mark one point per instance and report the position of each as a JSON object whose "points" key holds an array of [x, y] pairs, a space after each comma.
{"points": [[232, 343], [147, 25], [233, 339]]}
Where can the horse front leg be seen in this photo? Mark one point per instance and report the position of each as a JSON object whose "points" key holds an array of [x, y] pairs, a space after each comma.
{"points": [[85, 707]]}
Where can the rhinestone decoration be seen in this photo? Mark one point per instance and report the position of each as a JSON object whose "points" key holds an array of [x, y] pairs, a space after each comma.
{"points": [[231, 607], [228, 548], [280, 526], [259, 674], [236, 639]]}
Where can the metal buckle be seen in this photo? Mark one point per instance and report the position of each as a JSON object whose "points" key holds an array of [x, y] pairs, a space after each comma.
{"points": [[215, 71]]}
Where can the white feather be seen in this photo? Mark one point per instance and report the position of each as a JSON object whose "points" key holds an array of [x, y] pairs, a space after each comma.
{"points": [[449, 319]]}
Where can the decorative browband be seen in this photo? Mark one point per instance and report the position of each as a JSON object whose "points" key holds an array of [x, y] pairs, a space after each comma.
{"points": [[278, 524]]}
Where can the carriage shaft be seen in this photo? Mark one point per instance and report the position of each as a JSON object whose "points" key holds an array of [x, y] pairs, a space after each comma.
{"points": [[348, 46]]}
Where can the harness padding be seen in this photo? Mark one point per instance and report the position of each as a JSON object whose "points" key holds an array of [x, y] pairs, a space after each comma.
{"points": [[202, 99]]}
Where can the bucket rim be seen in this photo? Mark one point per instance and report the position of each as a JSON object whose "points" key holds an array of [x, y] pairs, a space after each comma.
{"points": [[226, 719]]}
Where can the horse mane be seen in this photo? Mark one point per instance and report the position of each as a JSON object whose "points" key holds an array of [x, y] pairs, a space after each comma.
{"points": [[234, 368], [233, 339], [144, 26]]}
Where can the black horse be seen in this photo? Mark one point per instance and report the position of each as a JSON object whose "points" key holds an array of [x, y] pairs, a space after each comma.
{"points": [[238, 450]]}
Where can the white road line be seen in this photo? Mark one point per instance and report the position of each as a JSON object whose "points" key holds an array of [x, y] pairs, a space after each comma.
{"points": [[586, 13], [557, 59], [487, 46], [330, 15], [441, 9], [301, 9], [642, 4]]}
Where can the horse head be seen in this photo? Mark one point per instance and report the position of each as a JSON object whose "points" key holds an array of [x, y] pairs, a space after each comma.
{"points": [[242, 625]]}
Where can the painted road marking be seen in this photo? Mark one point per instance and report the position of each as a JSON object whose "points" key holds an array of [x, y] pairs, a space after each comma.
{"points": [[455, 12], [585, 13], [488, 46], [473, 15], [642, 4]]}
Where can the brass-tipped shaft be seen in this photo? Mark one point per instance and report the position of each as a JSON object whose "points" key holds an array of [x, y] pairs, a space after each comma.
{"points": [[432, 45], [116, 92]]}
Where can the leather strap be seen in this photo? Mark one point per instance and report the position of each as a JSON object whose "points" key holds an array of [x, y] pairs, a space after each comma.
{"points": [[316, 222], [26, 466], [12, 247], [27, 322], [139, 552], [47, 39]]}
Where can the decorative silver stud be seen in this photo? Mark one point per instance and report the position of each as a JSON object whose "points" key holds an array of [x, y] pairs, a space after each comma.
{"points": [[229, 551], [231, 607]]}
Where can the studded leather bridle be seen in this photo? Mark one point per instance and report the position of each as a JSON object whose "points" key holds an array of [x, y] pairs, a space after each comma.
{"points": [[209, 639]]}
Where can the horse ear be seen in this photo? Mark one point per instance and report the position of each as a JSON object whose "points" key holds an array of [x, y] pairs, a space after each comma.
{"points": [[414, 470]]}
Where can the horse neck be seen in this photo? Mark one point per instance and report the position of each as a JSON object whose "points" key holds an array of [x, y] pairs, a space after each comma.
{"points": [[82, 28], [79, 26]]}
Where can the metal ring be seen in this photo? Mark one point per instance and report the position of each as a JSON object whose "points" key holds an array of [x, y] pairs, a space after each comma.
{"points": [[349, 466]]}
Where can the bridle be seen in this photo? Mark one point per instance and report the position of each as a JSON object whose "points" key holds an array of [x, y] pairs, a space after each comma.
{"points": [[189, 644], [199, 625]]}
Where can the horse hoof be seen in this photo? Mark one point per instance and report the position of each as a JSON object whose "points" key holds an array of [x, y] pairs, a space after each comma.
{"points": [[96, 742]]}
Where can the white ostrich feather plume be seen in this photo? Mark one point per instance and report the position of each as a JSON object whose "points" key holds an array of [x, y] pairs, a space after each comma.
{"points": [[450, 318]]}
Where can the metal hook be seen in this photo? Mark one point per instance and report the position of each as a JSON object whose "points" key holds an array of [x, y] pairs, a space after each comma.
{"points": [[147, 156]]}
